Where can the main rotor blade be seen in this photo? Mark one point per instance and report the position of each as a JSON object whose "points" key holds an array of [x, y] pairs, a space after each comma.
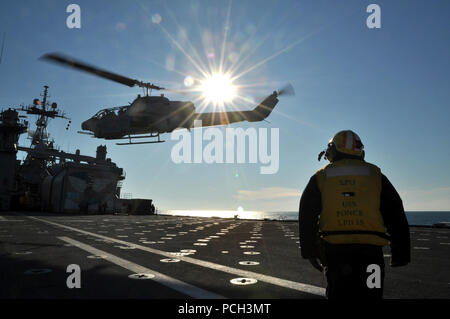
{"points": [[73, 63]]}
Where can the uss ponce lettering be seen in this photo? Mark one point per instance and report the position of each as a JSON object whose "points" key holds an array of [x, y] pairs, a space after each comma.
{"points": [[344, 182], [348, 204], [342, 213]]}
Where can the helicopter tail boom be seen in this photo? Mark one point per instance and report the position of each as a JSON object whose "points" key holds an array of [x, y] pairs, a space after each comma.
{"points": [[259, 113]]}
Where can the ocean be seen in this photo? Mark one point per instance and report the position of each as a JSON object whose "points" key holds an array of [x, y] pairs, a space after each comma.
{"points": [[425, 218]]}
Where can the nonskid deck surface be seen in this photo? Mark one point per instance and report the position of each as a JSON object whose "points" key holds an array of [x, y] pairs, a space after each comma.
{"points": [[186, 257]]}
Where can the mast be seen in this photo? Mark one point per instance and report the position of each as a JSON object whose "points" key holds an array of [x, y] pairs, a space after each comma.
{"points": [[41, 134], [44, 113]]}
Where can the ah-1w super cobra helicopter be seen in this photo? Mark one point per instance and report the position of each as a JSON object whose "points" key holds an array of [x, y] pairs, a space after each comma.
{"points": [[149, 116]]}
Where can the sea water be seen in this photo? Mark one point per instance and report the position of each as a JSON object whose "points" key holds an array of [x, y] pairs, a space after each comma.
{"points": [[426, 218]]}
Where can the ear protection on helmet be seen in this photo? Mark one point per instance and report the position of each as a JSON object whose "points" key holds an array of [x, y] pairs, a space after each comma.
{"points": [[329, 153]]}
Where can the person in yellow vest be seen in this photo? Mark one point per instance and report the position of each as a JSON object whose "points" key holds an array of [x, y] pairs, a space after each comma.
{"points": [[348, 211]]}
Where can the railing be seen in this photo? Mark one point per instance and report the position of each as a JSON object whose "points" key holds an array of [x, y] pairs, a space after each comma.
{"points": [[126, 195]]}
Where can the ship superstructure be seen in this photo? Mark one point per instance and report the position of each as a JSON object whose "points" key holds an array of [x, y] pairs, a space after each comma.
{"points": [[53, 180]]}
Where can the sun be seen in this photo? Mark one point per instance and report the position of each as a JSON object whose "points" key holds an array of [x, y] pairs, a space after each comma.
{"points": [[218, 89]]}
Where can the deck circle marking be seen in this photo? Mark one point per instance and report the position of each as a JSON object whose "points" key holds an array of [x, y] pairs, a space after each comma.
{"points": [[141, 276], [251, 252], [180, 254], [169, 260], [248, 263], [243, 281]]}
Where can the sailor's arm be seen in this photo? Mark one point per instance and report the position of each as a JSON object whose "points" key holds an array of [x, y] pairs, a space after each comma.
{"points": [[310, 207], [391, 207]]}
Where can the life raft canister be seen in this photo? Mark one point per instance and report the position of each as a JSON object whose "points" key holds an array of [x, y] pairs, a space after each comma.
{"points": [[351, 203]]}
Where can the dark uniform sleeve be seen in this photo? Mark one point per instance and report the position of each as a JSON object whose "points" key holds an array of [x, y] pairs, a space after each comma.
{"points": [[310, 208], [394, 218]]}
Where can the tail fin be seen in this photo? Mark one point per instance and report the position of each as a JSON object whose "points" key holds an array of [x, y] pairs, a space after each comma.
{"points": [[264, 109]]}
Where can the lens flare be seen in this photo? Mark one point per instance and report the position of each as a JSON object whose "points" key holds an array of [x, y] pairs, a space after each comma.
{"points": [[218, 89], [188, 81], [156, 18], [121, 26]]}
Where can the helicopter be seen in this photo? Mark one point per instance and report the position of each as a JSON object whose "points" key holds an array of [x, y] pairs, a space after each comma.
{"points": [[150, 116]]}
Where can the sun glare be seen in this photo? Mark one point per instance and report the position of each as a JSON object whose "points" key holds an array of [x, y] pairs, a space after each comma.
{"points": [[218, 89]]}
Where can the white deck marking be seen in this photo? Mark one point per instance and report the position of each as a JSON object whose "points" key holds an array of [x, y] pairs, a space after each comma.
{"points": [[77, 220], [314, 290], [3, 219], [167, 281]]}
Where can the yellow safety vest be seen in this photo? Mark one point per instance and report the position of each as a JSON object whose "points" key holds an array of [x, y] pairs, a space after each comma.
{"points": [[351, 203]]}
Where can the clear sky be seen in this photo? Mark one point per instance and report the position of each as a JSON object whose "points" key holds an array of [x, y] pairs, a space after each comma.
{"points": [[390, 85]]}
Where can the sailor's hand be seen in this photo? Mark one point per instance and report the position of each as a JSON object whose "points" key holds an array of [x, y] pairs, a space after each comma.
{"points": [[399, 259], [316, 264]]}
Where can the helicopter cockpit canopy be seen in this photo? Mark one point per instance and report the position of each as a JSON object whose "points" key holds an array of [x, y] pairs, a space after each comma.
{"points": [[113, 111]]}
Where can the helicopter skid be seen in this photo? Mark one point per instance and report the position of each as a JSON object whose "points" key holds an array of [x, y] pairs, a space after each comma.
{"points": [[130, 142]]}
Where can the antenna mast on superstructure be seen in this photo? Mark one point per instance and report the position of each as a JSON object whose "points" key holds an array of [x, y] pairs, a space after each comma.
{"points": [[44, 111]]}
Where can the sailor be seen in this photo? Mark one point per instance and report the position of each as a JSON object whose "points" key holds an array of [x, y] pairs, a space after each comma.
{"points": [[348, 211]]}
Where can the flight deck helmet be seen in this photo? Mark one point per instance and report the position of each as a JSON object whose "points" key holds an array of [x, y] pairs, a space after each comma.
{"points": [[344, 144]]}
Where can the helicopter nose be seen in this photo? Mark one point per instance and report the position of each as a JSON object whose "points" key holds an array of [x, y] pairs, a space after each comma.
{"points": [[87, 125]]}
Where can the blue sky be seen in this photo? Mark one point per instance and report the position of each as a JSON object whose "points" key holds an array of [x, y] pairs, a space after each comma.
{"points": [[390, 85]]}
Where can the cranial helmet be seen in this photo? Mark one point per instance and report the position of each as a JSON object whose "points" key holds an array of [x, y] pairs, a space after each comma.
{"points": [[344, 143]]}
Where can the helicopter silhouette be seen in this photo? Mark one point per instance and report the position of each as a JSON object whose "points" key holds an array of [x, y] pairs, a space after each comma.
{"points": [[149, 116]]}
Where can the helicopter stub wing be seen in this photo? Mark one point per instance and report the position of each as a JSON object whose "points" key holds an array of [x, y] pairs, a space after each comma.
{"points": [[259, 113]]}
